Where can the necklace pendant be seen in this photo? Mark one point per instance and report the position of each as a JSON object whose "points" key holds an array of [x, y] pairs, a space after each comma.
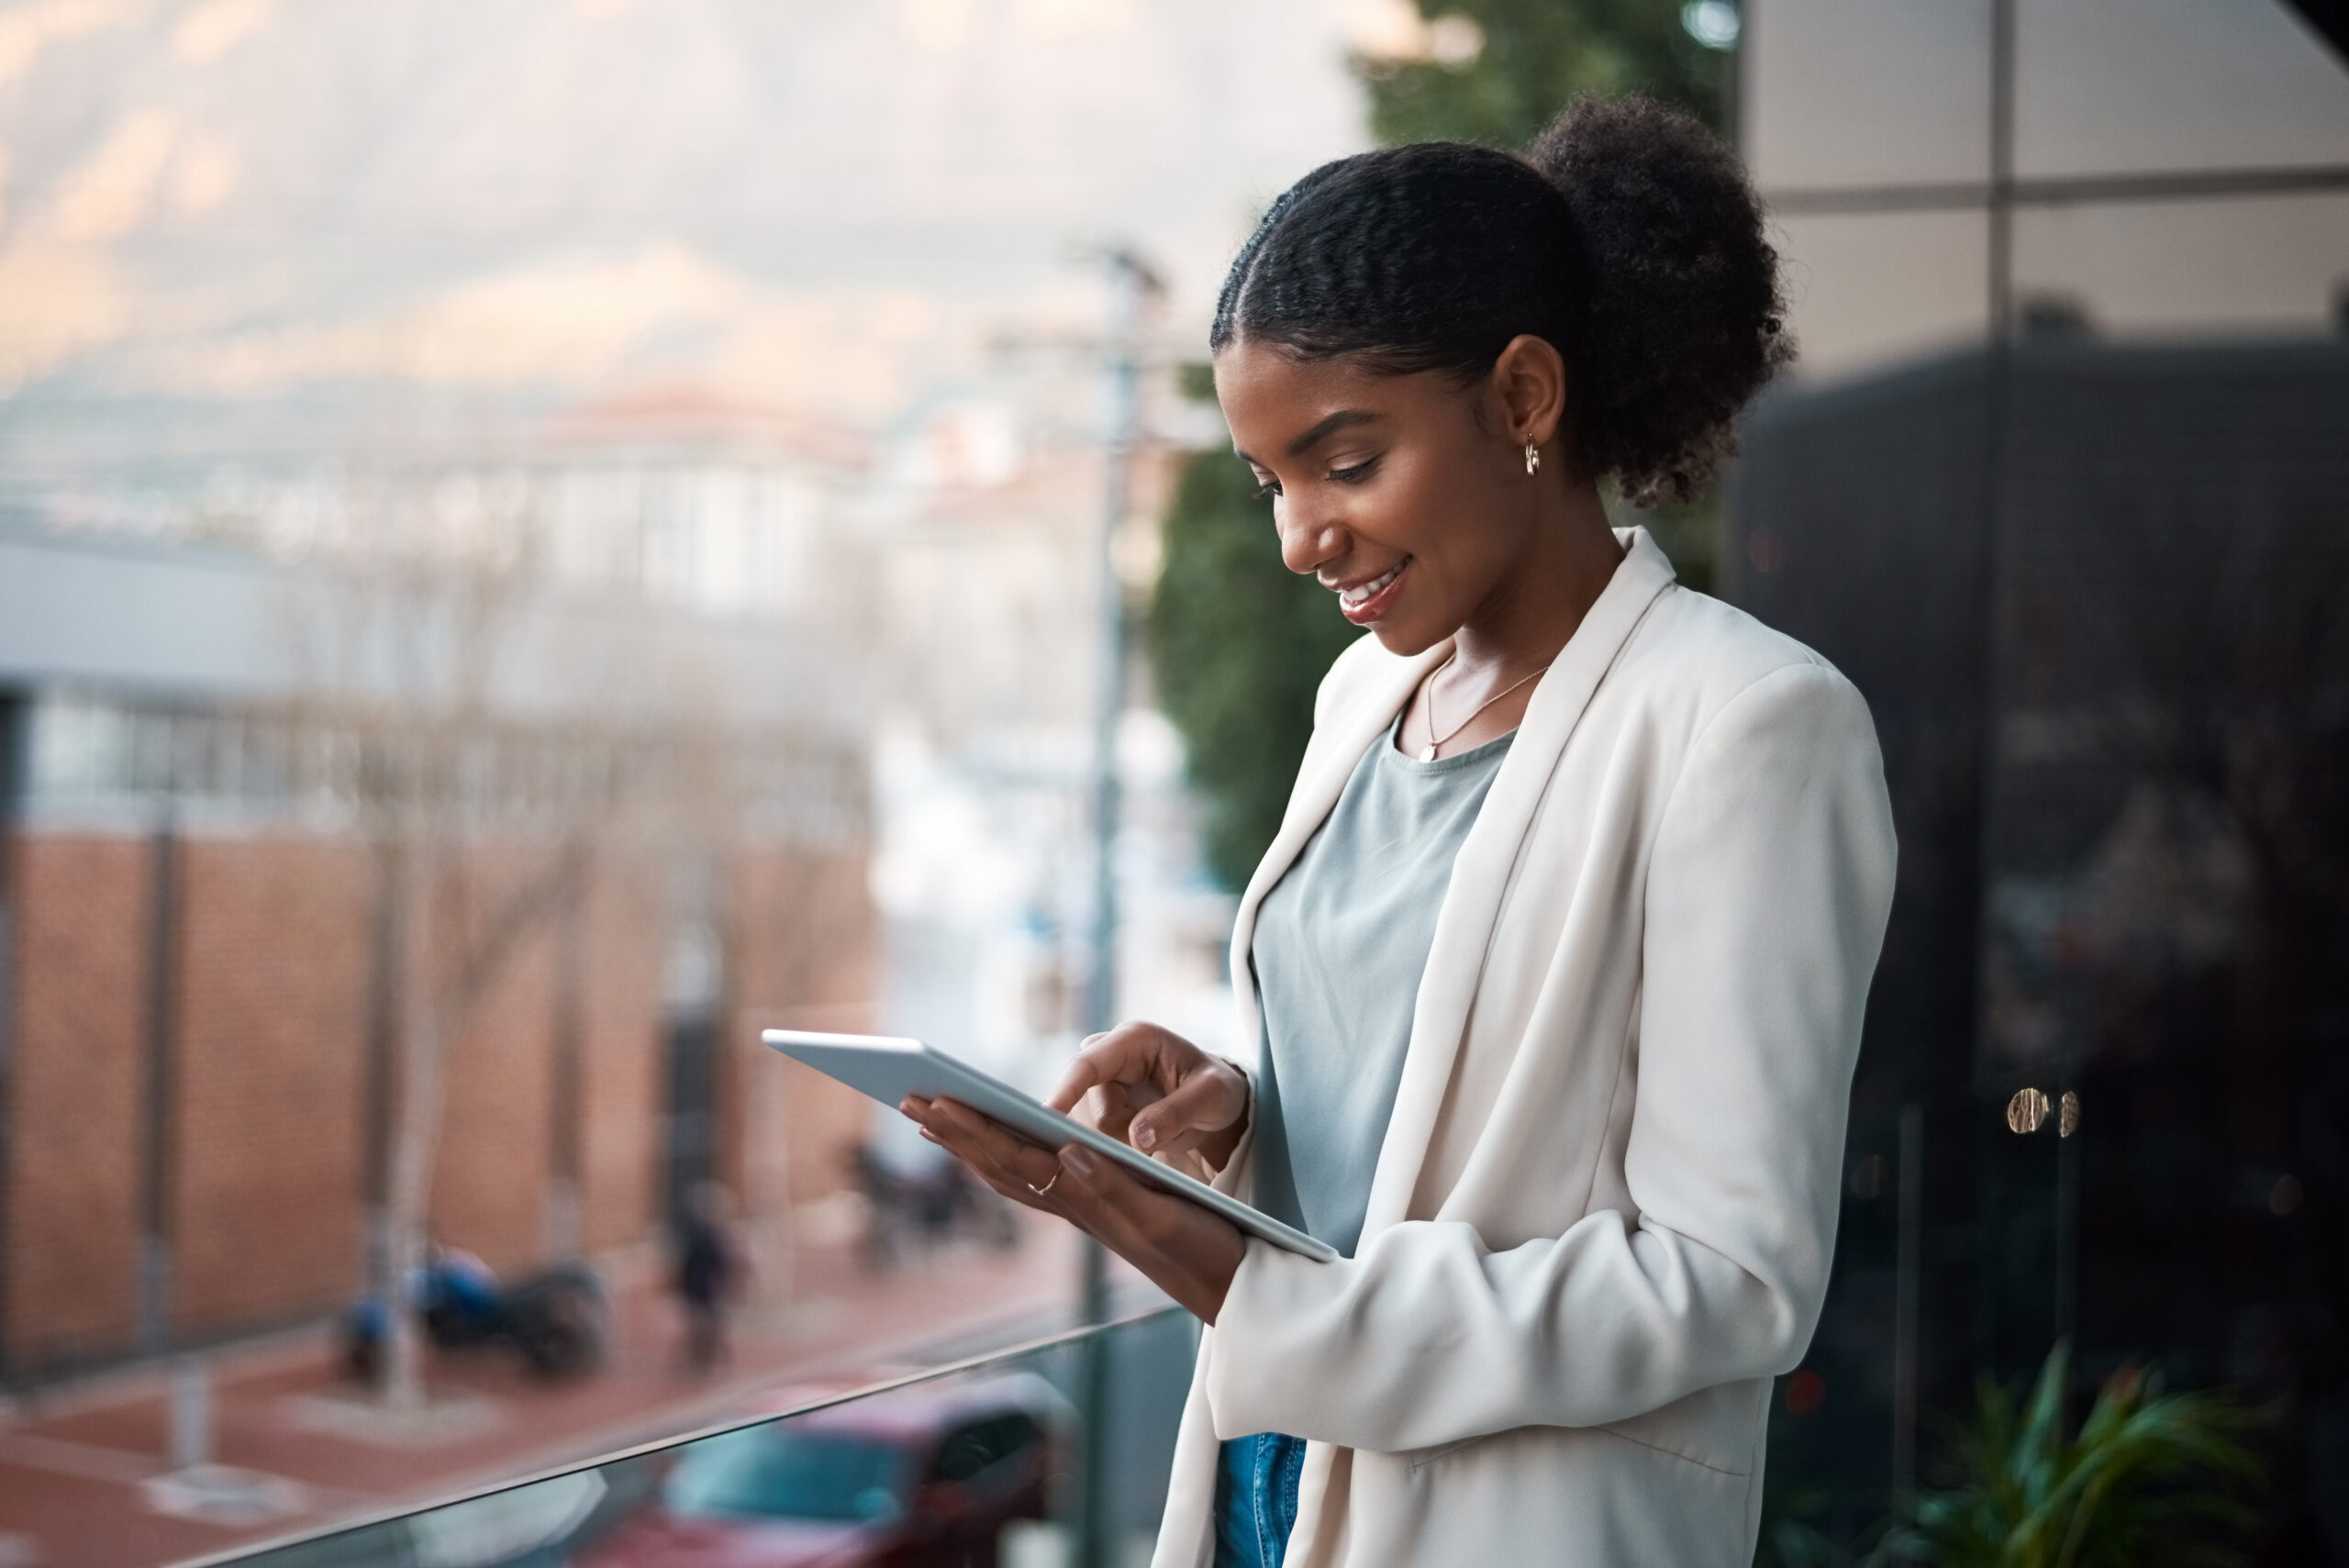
{"points": [[1427, 753]]}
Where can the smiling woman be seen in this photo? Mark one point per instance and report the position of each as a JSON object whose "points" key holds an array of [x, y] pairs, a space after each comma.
{"points": [[1557, 960]]}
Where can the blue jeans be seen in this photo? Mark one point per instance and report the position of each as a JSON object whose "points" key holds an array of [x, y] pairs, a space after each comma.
{"points": [[1255, 1500]]}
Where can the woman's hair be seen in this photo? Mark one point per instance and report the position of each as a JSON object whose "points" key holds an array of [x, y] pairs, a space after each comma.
{"points": [[1626, 236]]}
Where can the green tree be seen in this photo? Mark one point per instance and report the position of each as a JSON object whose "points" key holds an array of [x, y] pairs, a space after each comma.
{"points": [[1536, 55], [1239, 643]]}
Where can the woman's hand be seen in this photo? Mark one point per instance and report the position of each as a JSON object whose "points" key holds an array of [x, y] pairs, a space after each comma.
{"points": [[1187, 1252], [1158, 1092]]}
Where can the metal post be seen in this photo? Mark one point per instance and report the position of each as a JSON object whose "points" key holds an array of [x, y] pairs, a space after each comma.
{"points": [[2002, 572], [15, 713], [155, 1153], [2001, 257], [190, 1414], [387, 957], [2067, 1225], [1130, 282], [1908, 1269], [565, 1102]]}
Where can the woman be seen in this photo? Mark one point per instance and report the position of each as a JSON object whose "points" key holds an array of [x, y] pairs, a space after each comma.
{"points": [[1558, 959]]}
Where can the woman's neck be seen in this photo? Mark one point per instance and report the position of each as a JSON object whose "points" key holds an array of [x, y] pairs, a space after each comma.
{"points": [[1569, 557]]}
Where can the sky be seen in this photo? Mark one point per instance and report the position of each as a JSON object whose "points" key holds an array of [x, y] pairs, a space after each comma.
{"points": [[830, 207]]}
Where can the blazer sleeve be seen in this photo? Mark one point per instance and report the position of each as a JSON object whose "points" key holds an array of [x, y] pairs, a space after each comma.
{"points": [[1768, 884]]}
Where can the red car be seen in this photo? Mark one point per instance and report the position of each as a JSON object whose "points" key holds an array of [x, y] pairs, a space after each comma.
{"points": [[925, 1477]]}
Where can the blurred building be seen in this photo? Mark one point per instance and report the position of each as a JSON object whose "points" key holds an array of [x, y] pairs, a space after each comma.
{"points": [[200, 948], [2061, 486], [991, 527]]}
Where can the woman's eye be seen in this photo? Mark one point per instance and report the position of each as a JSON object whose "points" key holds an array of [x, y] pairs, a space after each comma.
{"points": [[1355, 474], [1268, 489]]}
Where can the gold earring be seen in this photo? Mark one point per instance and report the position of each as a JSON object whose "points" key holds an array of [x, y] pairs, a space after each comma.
{"points": [[1533, 458]]}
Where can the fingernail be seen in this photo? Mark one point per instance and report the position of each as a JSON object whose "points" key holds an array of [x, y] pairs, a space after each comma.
{"points": [[1145, 1138], [1077, 1160]]}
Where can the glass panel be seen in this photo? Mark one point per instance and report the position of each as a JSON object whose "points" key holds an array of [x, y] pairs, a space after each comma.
{"points": [[2259, 266], [2114, 87], [1870, 290], [1841, 93], [981, 1463]]}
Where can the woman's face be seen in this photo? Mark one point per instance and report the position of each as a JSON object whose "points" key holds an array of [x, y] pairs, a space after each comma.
{"points": [[1405, 496]]}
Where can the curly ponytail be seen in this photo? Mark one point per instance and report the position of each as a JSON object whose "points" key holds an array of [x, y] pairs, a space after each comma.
{"points": [[1628, 238]]}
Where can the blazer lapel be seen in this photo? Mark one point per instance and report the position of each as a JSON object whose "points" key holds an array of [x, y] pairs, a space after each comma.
{"points": [[1480, 876], [1329, 762]]}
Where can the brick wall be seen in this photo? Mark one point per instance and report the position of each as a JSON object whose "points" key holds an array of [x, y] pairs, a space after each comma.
{"points": [[79, 986], [273, 960], [805, 957], [620, 1088], [271, 1112]]}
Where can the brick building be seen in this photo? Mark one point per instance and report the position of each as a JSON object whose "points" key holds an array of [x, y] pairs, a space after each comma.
{"points": [[197, 945]]}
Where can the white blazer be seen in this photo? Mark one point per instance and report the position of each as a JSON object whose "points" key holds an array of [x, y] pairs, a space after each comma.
{"points": [[1605, 1207]]}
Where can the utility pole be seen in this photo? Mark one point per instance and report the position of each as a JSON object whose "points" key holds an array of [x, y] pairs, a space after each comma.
{"points": [[1132, 285]]}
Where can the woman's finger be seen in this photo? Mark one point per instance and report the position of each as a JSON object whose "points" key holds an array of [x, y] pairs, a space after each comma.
{"points": [[1011, 1156], [1083, 1075], [982, 1155], [1201, 1106], [1190, 1253], [1127, 1054]]}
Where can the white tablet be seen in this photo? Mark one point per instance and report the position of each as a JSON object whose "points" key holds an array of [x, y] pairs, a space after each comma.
{"points": [[890, 1069]]}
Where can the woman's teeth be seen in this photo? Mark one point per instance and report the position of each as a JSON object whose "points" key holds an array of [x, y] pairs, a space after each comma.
{"points": [[1355, 598]]}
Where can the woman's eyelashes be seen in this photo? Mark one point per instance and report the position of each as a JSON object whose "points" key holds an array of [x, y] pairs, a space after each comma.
{"points": [[1356, 473]]}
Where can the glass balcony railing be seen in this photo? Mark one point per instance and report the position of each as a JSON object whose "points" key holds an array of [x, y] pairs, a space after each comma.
{"points": [[980, 1461]]}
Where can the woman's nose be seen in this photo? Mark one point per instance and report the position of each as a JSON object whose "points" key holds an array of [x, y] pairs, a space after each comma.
{"points": [[1307, 543]]}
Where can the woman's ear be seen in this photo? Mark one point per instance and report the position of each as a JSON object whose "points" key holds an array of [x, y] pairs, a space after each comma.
{"points": [[1530, 381]]}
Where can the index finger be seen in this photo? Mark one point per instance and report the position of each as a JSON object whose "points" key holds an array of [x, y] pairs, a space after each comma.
{"points": [[1083, 1075]]}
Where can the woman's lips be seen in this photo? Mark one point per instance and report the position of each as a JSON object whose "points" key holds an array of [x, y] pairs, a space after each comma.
{"points": [[1372, 599]]}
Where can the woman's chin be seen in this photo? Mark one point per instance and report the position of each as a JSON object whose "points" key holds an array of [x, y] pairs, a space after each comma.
{"points": [[1405, 641]]}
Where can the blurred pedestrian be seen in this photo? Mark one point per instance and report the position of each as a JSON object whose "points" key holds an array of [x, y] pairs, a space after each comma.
{"points": [[1556, 966], [710, 1269]]}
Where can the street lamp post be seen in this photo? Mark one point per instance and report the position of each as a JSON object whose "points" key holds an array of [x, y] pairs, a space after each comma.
{"points": [[1132, 286]]}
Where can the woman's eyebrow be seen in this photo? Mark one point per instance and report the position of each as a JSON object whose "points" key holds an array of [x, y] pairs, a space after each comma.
{"points": [[1340, 420], [1343, 420]]}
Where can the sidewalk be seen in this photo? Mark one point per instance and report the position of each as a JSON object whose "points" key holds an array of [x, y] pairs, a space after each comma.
{"points": [[84, 1475]]}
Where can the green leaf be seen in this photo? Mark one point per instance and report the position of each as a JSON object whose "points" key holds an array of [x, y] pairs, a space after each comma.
{"points": [[2150, 1480]]}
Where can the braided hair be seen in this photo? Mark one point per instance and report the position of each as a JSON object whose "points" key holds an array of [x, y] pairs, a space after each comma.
{"points": [[1627, 237]]}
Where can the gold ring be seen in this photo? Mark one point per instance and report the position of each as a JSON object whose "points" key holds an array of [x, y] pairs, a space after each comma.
{"points": [[1047, 1187]]}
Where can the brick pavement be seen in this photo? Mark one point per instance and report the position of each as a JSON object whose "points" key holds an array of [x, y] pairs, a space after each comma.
{"points": [[81, 1471]]}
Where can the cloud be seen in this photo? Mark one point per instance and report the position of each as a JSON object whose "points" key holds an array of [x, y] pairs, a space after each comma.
{"points": [[565, 322], [577, 325], [1059, 18], [214, 28], [28, 30], [56, 300], [111, 190], [938, 24], [203, 175]]}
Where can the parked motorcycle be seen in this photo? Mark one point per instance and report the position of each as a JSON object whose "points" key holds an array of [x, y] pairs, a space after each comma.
{"points": [[553, 1320]]}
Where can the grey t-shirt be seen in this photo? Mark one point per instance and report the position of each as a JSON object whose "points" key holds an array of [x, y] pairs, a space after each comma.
{"points": [[1339, 945]]}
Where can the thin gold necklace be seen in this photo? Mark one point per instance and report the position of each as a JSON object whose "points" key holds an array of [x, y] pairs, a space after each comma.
{"points": [[1427, 753]]}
